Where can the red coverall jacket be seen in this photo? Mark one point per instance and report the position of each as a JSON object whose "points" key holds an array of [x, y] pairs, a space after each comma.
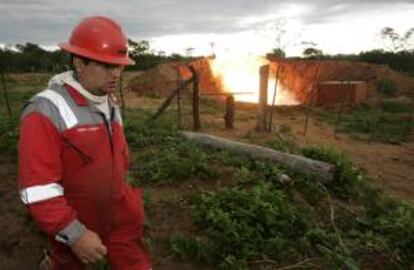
{"points": [[72, 171]]}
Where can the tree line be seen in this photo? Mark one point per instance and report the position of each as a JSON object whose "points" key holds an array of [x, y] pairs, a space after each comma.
{"points": [[31, 57], [398, 51]]}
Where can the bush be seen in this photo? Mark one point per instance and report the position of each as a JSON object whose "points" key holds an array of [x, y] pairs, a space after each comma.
{"points": [[9, 127], [396, 107], [386, 87], [174, 160], [347, 176], [287, 145], [9, 133], [392, 223], [380, 125], [243, 224]]}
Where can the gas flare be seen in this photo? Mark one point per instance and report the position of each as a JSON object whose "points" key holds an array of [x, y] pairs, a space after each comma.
{"points": [[240, 75]]}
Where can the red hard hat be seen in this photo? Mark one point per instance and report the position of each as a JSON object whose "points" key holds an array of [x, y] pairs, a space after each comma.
{"points": [[99, 38]]}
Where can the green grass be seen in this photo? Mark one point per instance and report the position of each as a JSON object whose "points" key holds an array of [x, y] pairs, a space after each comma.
{"points": [[247, 223], [391, 106], [390, 123], [9, 126], [347, 177], [259, 219], [256, 220], [386, 87]]}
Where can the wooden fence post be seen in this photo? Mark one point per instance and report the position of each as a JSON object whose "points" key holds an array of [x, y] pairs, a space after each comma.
{"points": [[229, 116], [6, 97], [262, 109], [196, 112]]}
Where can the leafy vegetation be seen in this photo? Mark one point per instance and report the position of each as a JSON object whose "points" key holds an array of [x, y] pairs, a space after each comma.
{"points": [[257, 220], [31, 57], [284, 144], [348, 177], [400, 61], [396, 106], [389, 123], [9, 126], [386, 87], [165, 157], [250, 223]]}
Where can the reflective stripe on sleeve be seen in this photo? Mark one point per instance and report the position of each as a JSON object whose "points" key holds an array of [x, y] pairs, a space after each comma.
{"points": [[63, 107], [41, 193]]}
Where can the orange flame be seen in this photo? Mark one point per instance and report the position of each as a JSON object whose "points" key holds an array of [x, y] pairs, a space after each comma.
{"points": [[240, 75]]}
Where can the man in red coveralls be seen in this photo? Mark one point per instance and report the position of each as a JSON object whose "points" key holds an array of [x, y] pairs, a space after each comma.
{"points": [[73, 157]]}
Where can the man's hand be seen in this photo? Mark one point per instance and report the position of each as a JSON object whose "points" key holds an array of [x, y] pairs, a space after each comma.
{"points": [[89, 247]]}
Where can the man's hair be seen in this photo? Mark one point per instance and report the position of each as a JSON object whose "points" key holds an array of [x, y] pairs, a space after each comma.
{"points": [[84, 60]]}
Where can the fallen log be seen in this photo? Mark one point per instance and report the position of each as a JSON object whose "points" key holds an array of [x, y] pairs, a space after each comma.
{"points": [[321, 171]]}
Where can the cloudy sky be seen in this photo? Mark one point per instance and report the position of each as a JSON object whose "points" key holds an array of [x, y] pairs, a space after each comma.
{"points": [[335, 26]]}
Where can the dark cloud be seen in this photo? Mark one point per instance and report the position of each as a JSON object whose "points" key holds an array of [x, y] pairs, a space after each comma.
{"points": [[49, 21]]}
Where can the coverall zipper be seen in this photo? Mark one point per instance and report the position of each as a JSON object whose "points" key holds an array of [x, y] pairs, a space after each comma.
{"points": [[104, 215]]}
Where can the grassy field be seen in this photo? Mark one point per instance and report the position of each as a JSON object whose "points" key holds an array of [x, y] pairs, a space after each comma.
{"points": [[391, 122], [211, 209]]}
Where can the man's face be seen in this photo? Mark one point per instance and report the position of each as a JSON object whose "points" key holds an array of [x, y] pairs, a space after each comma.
{"points": [[99, 78]]}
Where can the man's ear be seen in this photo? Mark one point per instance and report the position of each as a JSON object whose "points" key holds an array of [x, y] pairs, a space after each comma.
{"points": [[78, 64]]}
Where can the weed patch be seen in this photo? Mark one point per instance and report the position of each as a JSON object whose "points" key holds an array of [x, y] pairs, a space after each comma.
{"points": [[347, 177], [242, 224], [386, 87], [386, 125], [258, 220]]}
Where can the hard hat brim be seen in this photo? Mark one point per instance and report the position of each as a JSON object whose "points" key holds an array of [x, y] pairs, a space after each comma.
{"points": [[124, 60]]}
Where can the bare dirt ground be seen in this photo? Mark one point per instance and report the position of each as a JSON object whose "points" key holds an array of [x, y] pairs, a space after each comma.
{"points": [[390, 167], [21, 244]]}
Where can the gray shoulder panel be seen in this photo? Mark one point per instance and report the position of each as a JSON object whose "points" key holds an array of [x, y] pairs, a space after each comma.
{"points": [[45, 107], [85, 115], [57, 104]]}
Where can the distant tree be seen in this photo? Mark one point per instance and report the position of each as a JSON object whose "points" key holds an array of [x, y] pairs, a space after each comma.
{"points": [[176, 57], [277, 52], [282, 38], [59, 60], [7, 59], [401, 61], [396, 41], [312, 53], [30, 48], [138, 48], [31, 57], [280, 42]]}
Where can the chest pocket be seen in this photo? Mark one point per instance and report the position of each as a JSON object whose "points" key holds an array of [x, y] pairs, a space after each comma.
{"points": [[86, 159], [86, 143]]}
